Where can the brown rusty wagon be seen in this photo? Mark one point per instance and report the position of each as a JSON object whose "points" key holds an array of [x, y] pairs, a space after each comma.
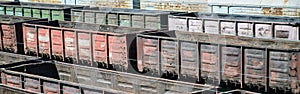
{"points": [[82, 43], [230, 61]]}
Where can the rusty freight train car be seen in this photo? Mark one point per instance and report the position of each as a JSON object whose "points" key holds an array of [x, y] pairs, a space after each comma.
{"points": [[62, 78], [37, 80], [11, 38], [232, 61], [82, 43], [237, 25]]}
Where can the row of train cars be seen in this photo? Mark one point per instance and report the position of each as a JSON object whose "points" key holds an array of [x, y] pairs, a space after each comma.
{"points": [[256, 53]]}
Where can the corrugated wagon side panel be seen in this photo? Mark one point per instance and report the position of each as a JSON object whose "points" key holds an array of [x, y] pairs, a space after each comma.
{"points": [[104, 79], [148, 57], [112, 19], [231, 64], [210, 68], [100, 51], [137, 21], [32, 84], [57, 43], [125, 20], [50, 88], [30, 39], [286, 32], [9, 37], [11, 80], [254, 67], [282, 70], [77, 16], [44, 41], [153, 22], [189, 59], [84, 48], [169, 57], [89, 17], [70, 44], [84, 75], [100, 18], [118, 55], [70, 90]]}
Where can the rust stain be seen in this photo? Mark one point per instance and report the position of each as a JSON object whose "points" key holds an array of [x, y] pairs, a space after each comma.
{"points": [[266, 11], [277, 11], [285, 2]]}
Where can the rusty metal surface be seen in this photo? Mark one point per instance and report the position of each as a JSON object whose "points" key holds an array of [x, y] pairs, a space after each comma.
{"points": [[101, 80], [130, 83], [33, 83], [255, 67], [241, 61], [11, 33], [118, 51], [189, 59], [11, 90], [30, 42], [148, 55], [9, 37], [242, 41], [57, 43], [100, 49], [84, 48], [44, 41], [169, 57], [231, 64], [11, 80], [51, 88], [85, 44], [282, 70], [210, 64], [70, 44]]}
